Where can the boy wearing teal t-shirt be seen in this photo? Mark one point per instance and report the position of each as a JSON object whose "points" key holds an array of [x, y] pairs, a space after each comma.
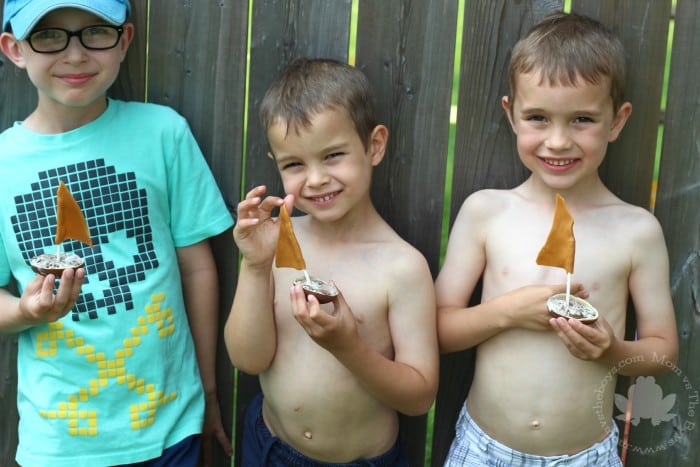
{"points": [[116, 359]]}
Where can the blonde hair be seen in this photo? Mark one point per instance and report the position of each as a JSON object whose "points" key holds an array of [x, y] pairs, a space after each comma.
{"points": [[566, 47], [308, 86]]}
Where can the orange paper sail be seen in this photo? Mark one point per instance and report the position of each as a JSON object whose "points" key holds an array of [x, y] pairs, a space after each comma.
{"points": [[70, 222], [560, 248], [288, 254]]}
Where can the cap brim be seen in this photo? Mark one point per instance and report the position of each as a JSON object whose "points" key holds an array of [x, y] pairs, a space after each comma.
{"points": [[24, 20]]}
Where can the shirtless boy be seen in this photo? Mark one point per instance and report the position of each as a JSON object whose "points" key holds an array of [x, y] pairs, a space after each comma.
{"points": [[533, 393], [333, 376]]}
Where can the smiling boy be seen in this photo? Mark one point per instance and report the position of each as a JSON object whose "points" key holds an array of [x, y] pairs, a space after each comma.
{"points": [[533, 397], [115, 360], [333, 376]]}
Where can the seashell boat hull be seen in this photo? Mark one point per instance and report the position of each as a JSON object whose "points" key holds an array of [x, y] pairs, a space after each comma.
{"points": [[50, 263], [323, 291], [578, 308]]}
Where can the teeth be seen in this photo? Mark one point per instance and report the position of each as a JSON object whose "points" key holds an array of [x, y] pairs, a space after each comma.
{"points": [[324, 199], [559, 162]]}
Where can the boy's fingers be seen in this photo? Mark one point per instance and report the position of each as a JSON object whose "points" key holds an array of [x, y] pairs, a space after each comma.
{"points": [[270, 203]]}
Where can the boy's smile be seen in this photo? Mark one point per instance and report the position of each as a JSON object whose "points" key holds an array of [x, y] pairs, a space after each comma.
{"points": [[563, 131]]}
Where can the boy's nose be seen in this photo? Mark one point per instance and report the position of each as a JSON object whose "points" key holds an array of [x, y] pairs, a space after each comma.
{"points": [[316, 176], [75, 49], [558, 139]]}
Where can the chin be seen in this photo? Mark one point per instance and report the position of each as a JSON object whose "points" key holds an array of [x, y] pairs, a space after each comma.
{"points": [[327, 214]]}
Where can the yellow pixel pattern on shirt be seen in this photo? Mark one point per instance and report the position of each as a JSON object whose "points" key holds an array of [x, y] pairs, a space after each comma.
{"points": [[85, 422]]}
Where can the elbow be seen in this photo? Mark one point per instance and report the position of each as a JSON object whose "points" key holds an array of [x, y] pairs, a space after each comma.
{"points": [[242, 361], [247, 367], [669, 355], [668, 360], [422, 402], [421, 408], [445, 347], [443, 338], [245, 360], [447, 343]]}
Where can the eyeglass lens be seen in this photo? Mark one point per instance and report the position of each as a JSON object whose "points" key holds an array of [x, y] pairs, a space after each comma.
{"points": [[92, 37]]}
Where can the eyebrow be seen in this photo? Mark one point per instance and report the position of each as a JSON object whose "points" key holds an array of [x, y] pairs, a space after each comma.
{"points": [[538, 110]]}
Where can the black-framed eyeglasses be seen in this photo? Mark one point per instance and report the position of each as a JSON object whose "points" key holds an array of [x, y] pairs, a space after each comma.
{"points": [[97, 37]]}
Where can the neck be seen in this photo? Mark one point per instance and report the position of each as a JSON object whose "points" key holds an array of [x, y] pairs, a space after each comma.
{"points": [[51, 117]]}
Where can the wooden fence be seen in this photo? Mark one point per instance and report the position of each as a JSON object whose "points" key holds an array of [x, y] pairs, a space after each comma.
{"points": [[192, 56]]}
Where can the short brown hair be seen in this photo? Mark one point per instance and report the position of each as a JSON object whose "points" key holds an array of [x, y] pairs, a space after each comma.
{"points": [[307, 86], [565, 47]]}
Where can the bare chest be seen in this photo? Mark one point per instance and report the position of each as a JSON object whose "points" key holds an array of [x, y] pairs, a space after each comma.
{"points": [[364, 294], [603, 255]]}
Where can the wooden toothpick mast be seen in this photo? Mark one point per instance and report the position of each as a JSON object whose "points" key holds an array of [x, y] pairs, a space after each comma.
{"points": [[560, 248]]}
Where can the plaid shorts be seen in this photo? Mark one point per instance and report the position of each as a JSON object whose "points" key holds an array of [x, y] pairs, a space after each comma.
{"points": [[473, 447]]}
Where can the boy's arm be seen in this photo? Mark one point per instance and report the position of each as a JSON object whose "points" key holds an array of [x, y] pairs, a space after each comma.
{"points": [[200, 287], [38, 303], [408, 382], [250, 332], [459, 328], [655, 350]]}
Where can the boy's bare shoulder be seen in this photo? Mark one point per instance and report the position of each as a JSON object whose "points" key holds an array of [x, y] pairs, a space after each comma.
{"points": [[401, 253], [485, 204], [634, 220]]}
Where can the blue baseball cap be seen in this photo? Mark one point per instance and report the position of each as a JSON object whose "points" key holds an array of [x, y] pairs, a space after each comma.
{"points": [[23, 15]]}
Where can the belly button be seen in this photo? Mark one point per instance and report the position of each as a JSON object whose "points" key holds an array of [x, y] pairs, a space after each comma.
{"points": [[535, 425], [307, 435]]}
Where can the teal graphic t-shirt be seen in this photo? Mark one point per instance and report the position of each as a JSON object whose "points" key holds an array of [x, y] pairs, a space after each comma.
{"points": [[115, 381]]}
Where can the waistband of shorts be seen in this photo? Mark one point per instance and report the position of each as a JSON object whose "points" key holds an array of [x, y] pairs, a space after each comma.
{"points": [[593, 455]]}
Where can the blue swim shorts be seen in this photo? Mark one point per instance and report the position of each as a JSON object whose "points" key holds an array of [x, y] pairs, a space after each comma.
{"points": [[261, 449], [184, 453], [473, 447]]}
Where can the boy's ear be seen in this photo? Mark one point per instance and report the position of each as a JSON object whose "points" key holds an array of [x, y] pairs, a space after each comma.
{"points": [[10, 48], [377, 144], [127, 37], [506, 109], [619, 121]]}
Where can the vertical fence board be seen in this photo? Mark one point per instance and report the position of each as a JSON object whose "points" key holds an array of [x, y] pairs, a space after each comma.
{"points": [[678, 209], [197, 65], [406, 48]]}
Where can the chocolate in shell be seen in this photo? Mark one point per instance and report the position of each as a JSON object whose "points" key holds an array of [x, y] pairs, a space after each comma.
{"points": [[323, 291], [50, 263]]}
